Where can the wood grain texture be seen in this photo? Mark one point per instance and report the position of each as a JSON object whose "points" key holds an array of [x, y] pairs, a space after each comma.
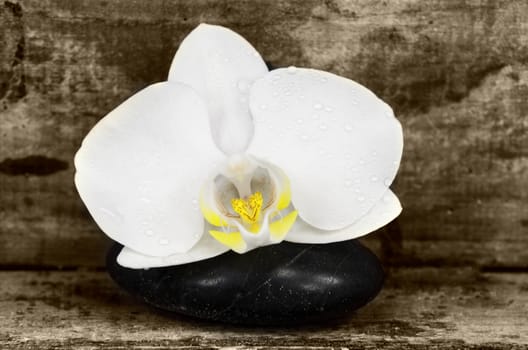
{"points": [[418, 309], [456, 73]]}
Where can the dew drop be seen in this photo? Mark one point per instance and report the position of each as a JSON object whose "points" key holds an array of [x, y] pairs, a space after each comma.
{"points": [[149, 232], [163, 241], [328, 109], [315, 116], [292, 69], [323, 80], [348, 183], [374, 179], [108, 212], [318, 106], [276, 77], [387, 182], [263, 107], [304, 137], [348, 155], [323, 127], [360, 198], [348, 128], [299, 121], [242, 85], [362, 162]]}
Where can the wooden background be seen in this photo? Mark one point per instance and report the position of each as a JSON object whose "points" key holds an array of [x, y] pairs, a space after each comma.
{"points": [[455, 72]]}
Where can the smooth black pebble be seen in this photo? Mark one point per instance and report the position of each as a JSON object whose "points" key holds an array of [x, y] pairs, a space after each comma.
{"points": [[281, 284]]}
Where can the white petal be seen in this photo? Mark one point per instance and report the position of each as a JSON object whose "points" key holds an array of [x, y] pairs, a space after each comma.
{"points": [[383, 212], [338, 143], [140, 169], [221, 66], [206, 248]]}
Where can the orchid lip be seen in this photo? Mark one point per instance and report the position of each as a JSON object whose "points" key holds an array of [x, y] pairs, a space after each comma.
{"points": [[241, 197]]}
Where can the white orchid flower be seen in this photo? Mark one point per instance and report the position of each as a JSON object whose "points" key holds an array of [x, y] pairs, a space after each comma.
{"points": [[263, 156]]}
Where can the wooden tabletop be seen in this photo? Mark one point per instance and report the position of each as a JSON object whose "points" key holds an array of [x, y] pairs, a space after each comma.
{"points": [[418, 308]]}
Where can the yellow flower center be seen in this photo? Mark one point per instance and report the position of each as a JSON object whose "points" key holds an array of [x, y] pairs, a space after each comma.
{"points": [[249, 209]]}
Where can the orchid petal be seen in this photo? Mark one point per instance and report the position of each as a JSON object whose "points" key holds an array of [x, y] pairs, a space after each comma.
{"points": [[221, 66], [140, 169], [338, 143], [383, 212], [206, 248]]}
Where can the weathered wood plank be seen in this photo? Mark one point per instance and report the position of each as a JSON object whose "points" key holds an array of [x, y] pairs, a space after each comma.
{"points": [[418, 308], [455, 72]]}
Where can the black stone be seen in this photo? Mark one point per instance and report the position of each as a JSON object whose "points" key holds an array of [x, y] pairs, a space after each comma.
{"points": [[282, 284]]}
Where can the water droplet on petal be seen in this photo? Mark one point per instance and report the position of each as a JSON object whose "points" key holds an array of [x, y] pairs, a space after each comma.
{"points": [[315, 116], [360, 198], [387, 182], [243, 85], [318, 106], [374, 179], [292, 69], [323, 127], [304, 137], [349, 128], [263, 107], [348, 183], [149, 232], [299, 121], [163, 241], [328, 109]]}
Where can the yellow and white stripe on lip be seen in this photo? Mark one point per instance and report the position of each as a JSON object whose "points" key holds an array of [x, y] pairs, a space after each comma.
{"points": [[248, 201]]}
